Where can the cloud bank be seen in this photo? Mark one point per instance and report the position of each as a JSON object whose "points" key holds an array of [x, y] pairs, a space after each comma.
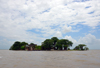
{"points": [[36, 20]]}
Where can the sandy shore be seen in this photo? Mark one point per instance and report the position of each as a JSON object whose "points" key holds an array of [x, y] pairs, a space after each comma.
{"points": [[50, 59]]}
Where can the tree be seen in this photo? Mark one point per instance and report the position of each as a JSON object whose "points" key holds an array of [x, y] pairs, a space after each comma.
{"points": [[59, 44], [68, 48], [37, 47], [81, 46], [65, 47], [34, 45], [63, 43], [47, 44], [77, 48], [56, 46], [22, 47], [42, 47], [54, 39], [70, 43], [86, 48], [23, 43], [31, 43], [16, 46]]}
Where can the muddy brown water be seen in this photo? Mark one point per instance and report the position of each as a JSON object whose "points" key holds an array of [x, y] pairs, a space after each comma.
{"points": [[50, 59]]}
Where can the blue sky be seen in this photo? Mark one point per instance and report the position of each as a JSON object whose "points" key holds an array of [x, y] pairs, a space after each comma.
{"points": [[37, 20]]}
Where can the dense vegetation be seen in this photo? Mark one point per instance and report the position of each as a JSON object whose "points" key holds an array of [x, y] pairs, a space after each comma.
{"points": [[56, 44], [18, 46], [48, 44], [81, 47]]}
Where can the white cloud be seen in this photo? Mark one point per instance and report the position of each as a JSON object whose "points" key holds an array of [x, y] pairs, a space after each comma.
{"points": [[5, 44], [18, 16], [75, 43], [90, 40], [58, 34], [66, 29]]}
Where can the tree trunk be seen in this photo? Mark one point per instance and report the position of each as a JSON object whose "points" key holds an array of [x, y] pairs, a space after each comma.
{"points": [[65, 48], [61, 48]]}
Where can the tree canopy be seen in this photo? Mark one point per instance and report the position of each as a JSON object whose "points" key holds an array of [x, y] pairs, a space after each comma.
{"points": [[48, 44], [81, 47], [54, 39], [56, 43], [63, 43], [18, 46]]}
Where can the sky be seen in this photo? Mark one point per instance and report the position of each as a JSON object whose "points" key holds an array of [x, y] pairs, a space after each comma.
{"points": [[33, 21]]}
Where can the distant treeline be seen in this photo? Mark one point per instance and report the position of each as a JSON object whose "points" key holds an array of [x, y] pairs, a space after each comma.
{"points": [[48, 44]]}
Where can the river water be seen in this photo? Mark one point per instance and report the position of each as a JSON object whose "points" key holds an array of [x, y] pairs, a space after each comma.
{"points": [[50, 59]]}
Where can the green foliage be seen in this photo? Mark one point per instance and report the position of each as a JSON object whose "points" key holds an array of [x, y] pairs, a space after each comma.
{"points": [[63, 43], [47, 44], [77, 48], [42, 47], [86, 48], [38, 48], [31, 43], [22, 47], [65, 47], [23, 43], [54, 42], [54, 39], [59, 44], [56, 46], [68, 48], [80, 47], [17, 45], [70, 43]]}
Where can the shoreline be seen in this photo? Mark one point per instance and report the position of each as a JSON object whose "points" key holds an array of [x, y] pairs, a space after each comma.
{"points": [[50, 50]]}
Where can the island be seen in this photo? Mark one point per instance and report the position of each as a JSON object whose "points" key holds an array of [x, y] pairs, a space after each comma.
{"points": [[49, 44]]}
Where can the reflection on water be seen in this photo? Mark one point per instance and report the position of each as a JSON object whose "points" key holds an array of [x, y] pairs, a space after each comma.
{"points": [[50, 59]]}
